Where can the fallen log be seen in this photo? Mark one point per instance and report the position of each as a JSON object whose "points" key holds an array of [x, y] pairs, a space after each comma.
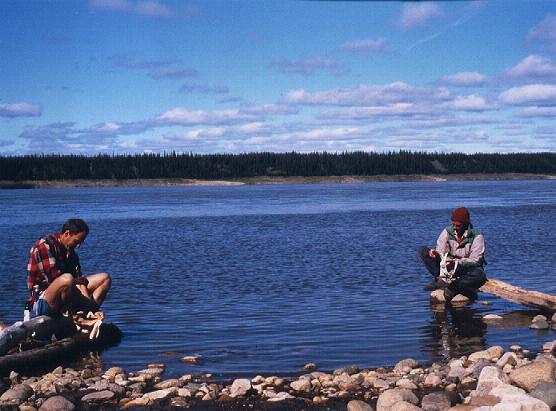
{"points": [[534, 299], [59, 351]]}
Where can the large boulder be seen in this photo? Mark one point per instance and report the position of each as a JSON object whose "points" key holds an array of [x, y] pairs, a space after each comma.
{"points": [[390, 397], [57, 403], [490, 378], [530, 375]]}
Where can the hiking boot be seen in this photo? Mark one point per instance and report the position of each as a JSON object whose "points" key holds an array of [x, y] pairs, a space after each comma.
{"points": [[436, 285], [449, 294]]}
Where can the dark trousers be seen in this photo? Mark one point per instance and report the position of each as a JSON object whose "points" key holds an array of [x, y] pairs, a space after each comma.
{"points": [[467, 278]]}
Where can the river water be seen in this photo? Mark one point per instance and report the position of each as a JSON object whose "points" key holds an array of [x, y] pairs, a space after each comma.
{"points": [[264, 279]]}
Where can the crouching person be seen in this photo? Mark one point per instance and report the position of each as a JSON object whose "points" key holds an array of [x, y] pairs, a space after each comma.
{"points": [[55, 274], [463, 245]]}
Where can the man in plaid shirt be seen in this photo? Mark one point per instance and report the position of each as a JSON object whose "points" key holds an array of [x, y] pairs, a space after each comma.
{"points": [[54, 267]]}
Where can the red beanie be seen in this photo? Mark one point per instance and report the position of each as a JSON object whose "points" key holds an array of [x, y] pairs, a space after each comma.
{"points": [[462, 215]]}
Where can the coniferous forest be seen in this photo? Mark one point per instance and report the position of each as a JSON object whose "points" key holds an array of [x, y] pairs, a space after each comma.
{"points": [[231, 166]]}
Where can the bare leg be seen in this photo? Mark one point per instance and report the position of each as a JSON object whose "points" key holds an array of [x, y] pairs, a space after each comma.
{"points": [[98, 287], [60, 292]]}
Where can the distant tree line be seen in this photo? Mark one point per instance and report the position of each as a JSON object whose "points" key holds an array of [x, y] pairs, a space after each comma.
{"points": [[229, 166]]}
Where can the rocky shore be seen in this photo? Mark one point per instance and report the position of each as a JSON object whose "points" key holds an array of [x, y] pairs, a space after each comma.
{"points": [[7, 184], [493, 379]]}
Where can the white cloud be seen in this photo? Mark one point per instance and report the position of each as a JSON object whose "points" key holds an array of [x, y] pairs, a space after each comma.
{"points": [[464, 79], [532, 67], [147, 8], [471, 102], [368, 95], [545, 31], [364, 46], [20, 110], [532, 94], [549, 112], [182, 116], [419, 14]]}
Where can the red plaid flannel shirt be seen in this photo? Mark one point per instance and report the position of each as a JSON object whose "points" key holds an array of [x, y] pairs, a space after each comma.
{"points": [[48, 259]]}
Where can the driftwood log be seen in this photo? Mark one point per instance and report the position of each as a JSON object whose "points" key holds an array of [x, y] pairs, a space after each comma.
{"points": [[40, 330], [535, 299]]}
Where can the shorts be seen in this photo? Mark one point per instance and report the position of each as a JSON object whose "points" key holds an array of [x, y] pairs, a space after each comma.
{"points": [[41, 307]]}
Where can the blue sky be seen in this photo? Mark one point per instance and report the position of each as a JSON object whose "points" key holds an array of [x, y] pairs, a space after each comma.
{"points": [[134, 76]]}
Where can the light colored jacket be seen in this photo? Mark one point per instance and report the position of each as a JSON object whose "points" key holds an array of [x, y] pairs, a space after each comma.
{"points": [[471, 251]]}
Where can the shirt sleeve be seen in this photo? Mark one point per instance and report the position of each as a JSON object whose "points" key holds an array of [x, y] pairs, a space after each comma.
{"points": [[476, 253], [42, 266], [442, 246]]}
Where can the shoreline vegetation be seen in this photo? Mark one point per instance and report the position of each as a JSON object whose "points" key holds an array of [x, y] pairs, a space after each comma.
{"points": [[268, 180]]}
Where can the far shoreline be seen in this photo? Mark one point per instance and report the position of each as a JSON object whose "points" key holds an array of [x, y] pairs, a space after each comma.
{"points": [[269, 180]]}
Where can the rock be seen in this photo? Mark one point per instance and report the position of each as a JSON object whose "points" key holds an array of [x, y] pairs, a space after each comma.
{"points": [[436, 401], [191, 359], [539, 323], [457, 371], [492, 317], [432, 380], [281, 396], [549, 346], [352, 369], [184, 392], [16, 395], [161, 394], [405, 366], [530, 375], [98, 396], [546, 392], [302, 385], [390, 397], [356, 405], [318, 400], [406, 383], [162, 385], [57, 403], [491, 377], [508, 358], [405, 406], [310, 367], [178, 402], [137, 403], [112, 372], [151, 372], [240, 387], [491, 354], [478, 367], [516, 348]]}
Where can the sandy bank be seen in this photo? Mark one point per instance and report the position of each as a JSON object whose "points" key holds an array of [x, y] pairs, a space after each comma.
{"points": [[269, 180]]}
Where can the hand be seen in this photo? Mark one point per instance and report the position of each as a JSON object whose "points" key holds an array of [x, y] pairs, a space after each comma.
{"points": [[433, 253], [81, 281], [99, 315]]}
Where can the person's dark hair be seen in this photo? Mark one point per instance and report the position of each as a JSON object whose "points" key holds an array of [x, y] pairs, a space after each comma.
{"points": [[75, 225]]}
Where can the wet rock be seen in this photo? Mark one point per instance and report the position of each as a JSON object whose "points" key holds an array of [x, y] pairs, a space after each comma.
{"points": [[492, 317], [99, 396], [516, 348], [390, 397], [309, 367], [112, 372], [539, 323], [356, 405], [549, 346], [191, 359], [436, 401], [491, 377], [162, 385], [546, 392], [240, 387], [406, 365], [318, 400], [530, 375], [161, 394], [151, 372], [178, 402], [16, 395], [57, 403], [137, 403]]}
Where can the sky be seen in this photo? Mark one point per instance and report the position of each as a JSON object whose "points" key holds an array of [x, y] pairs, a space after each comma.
{"points": [[158, 76]]}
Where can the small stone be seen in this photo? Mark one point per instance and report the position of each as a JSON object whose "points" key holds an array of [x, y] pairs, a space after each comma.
{"points": [[16, 395], [281, 396], [318, 400], [191, 359], [492, 317], [356, 405], [406, 383], [303, 385], [57, 403], [405, 365], [98, 396], [112, 372], [508, 358], [389, 397], [137, 403], [432, 380], [161, 394], [178, 402], [549, 346], [162, 385], [184, 392], [310, 367], [539, 324], [240, 387]]}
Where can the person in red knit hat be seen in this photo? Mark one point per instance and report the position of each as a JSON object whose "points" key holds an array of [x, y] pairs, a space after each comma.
{"points": [[463, 247]]}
